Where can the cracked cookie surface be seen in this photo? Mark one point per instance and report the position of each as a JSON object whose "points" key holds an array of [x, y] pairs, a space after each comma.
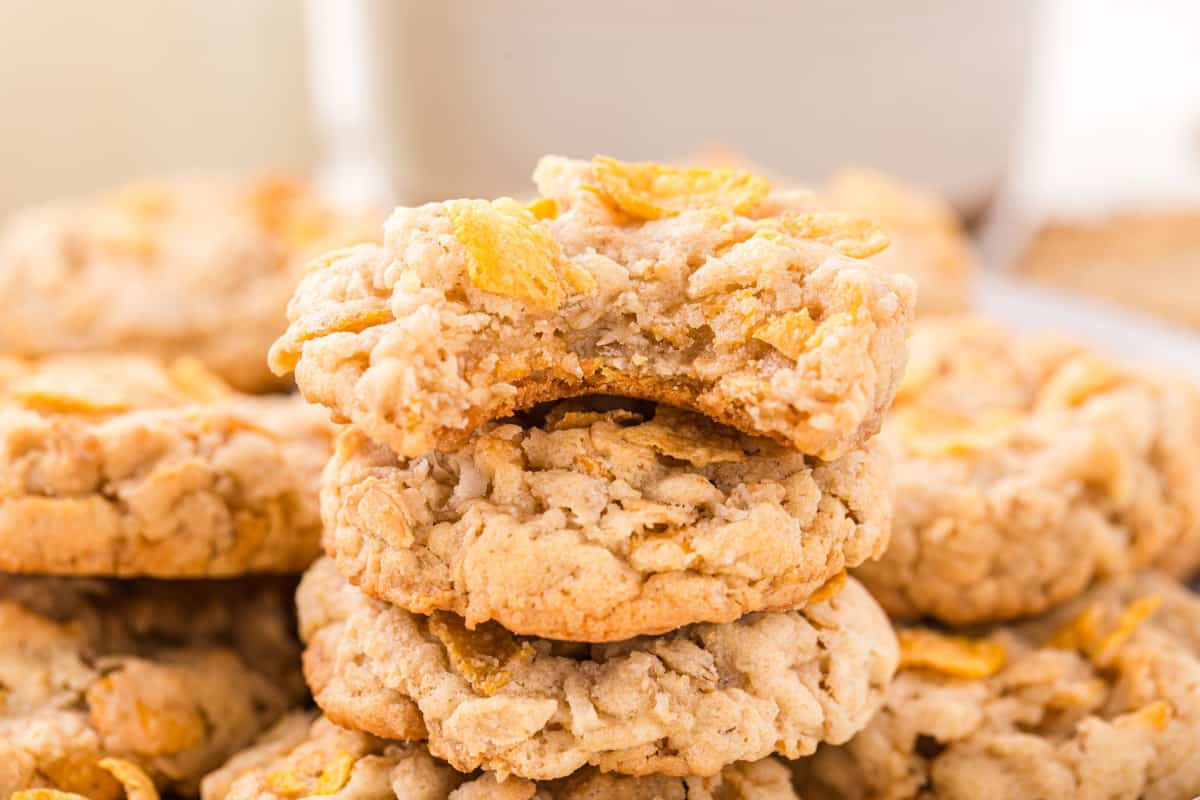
{"points": [[119, 466], [199, 267], [1100, 698], [632, 279], [173, 677], [1027, 467], [601, 519], [690, 702], [305, 756]]}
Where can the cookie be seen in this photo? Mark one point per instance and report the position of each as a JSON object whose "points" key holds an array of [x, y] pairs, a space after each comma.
{"points": [[1145, 260], [637, 280], [601, 519], [928, 241], [119, 466], [690, 702], [168, 268], [1027, 467], [171, 677], [1101, 698], [303, 756]]}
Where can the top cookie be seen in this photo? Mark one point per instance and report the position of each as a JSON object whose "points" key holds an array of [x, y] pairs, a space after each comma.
{"points": [[173, 267], [119, 466], [638, 280], [306, 757], [1099, 699], [1026, 467]]}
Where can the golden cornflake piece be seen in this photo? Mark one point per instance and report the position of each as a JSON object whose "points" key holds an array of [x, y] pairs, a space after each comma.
{"points": [[325, 779], [677, 435], [956, 656], [1087, 633], [480, 656], [173, 728], [648, 190], [829, 590], [196, 380], [509, 254], [46, 794], [1156, 716], [855, 237], [933, 432], [1076, 380], [562, 420], [54, 390], [789, 333], [138, 785], [543, 208]]}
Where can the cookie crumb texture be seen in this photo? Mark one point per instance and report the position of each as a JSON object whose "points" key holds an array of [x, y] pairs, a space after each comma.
{"points": [[304, 757], [602, 520], [172, 678], [119, 466], [1100, 698], [631, 279], [1028, 467], [198, 267], [687, 703]]}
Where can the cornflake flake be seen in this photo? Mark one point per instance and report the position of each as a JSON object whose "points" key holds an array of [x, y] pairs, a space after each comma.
{"points": [[956, 656], [481, 656], [647, 190], [509, 254], [855, 237]]}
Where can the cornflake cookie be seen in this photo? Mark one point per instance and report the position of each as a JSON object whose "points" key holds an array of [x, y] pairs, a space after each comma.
{"points": [[928, 241], [1027, 467], [306, 757], [172, 267], [1099, 699], [638, 280], [119, 466], [170, 678], [601, 519], [690, 702]]}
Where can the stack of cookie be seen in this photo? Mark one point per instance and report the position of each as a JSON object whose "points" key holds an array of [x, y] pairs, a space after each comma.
{"points": [[139, 493], [134, 500], [1035, 479], [609, 458]]}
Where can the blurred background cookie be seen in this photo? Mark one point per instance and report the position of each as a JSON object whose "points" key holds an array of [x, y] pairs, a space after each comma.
{"points": [[173, 677], [121, 466], [198, 266], [1028, 466], [1100, 698]]}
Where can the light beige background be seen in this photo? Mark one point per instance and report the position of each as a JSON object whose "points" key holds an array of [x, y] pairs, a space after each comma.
{"points": [[95, 92]]}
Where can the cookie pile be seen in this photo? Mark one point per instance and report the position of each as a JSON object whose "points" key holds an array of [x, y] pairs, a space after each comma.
{"points": [[608, 461], [135, 500], [1034, 479]]}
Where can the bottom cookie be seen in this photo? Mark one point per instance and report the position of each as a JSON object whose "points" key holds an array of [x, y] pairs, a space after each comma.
{"points": [[1099, 699], [168, 678], [304, 756], [688, 702]]}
